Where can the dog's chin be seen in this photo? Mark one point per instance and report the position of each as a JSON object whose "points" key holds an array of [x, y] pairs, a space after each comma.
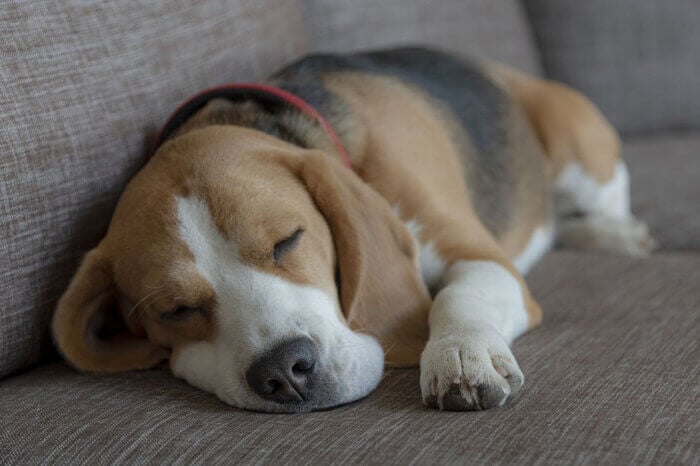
{"points": [[349, 372], [301, 407], [297, 407], [351, 366]]}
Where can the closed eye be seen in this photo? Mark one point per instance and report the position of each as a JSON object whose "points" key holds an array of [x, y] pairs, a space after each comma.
{"points": [[180, 313], [286, 245]]}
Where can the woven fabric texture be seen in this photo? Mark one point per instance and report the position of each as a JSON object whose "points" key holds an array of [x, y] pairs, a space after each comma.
{"points": [[495, 29], [638, 60], [611, 377], [83, 87]]}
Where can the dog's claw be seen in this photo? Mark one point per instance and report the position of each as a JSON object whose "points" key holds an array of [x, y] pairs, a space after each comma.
{"points": [[483, 381]]}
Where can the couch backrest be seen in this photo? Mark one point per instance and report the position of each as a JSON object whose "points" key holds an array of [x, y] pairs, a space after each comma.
{"points": [[83, 87], [496, 29], [639, 60]]}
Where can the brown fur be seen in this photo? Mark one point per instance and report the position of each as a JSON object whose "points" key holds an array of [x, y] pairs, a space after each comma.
{"points": [[420, 171], [569, 126], [381, 290]]}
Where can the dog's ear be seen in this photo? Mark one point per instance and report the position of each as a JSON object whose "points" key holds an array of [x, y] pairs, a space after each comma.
{"points": [[381, 290], [82, 313]]}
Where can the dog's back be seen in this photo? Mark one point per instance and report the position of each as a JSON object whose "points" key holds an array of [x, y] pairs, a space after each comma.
{"points": [[481, 124]]}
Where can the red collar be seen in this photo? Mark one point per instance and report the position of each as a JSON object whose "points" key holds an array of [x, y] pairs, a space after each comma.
{"points": [[236, 91]]}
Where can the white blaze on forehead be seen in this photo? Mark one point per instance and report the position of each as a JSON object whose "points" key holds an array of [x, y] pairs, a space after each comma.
{"points": [[255, 311], [208, 246]]}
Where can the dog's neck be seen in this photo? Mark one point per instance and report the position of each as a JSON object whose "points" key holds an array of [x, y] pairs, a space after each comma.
{"points": [[250, 114], [281, 121]]}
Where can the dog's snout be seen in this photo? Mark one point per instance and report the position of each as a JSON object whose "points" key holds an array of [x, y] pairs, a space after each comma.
{"points": [[287, 373]]}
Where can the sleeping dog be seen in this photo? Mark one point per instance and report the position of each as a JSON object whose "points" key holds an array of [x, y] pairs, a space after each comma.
{"points": [[288, 240]]}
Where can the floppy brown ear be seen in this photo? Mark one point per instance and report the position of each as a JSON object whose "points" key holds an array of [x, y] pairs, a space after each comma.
{"points": [[80, 313], [381, 290]]}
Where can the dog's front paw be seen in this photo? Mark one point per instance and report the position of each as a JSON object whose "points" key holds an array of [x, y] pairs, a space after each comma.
{"points": [[468, 371]]}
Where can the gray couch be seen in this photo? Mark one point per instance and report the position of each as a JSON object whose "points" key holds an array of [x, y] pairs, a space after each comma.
{"points": [[611, 375]]}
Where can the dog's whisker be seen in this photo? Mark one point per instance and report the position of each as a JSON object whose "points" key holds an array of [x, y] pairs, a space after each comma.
{"points": [[142, 300], [358, 345], [390, 348], [367, 331]]}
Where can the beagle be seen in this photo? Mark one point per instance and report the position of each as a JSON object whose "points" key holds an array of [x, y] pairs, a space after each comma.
{"points": [[288, 240]]}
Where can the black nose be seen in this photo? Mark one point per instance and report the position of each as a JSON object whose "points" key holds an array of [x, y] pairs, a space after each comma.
{"points": [[286, 373]]}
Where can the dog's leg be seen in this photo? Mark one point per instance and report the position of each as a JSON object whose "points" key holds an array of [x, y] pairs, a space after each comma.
{"points": [[596, 215], [591, 183], [467, 363]]}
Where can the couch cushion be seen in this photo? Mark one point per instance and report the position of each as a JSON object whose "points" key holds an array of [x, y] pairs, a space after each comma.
{"points": [[638, 60], [82, 84], [611, 378], [482, 28], [665, 174]]}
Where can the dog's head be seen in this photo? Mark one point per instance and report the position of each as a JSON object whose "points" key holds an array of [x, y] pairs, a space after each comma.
{"points": [[266, 274]]}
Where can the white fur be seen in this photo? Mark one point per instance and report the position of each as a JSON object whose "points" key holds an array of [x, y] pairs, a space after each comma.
{"points": [[479, 292], [540, 242], [607, 223], [474, 318], [256, 311], [431, 264], [577, 190]]}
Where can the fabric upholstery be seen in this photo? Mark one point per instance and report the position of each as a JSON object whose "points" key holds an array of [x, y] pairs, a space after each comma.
{"points": [[638, 60], [611, 378], [82, 86], [665, 176], [495, 29]]}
